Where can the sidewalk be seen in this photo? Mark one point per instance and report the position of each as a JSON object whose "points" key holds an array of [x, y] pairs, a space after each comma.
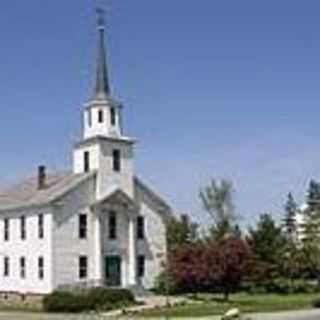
{"points": [[292, 315], [283, 315]]}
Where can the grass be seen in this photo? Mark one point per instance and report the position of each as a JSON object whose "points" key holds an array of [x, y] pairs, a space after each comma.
{"points": [[18, 307], [208, 305]]}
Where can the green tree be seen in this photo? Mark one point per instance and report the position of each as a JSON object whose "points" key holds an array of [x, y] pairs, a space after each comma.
{"points": [[290, 219], [293, 259], [181, 231], [217, 201], [267, 242], [311, 229], [313, 195], [294, 264]]}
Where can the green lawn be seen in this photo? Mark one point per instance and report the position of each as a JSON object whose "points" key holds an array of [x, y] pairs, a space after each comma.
{"points": [[211, 305]]}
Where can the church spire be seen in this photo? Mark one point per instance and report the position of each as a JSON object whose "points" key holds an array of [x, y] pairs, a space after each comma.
{"points": [[102, 89]]}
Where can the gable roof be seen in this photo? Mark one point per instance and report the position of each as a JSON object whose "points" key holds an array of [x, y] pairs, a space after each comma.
{"points": [[162, 206], [118, 194], [27, 194]]}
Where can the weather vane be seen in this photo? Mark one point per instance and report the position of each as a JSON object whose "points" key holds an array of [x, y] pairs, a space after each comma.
{"points": [[101, 14], [101, 17]]}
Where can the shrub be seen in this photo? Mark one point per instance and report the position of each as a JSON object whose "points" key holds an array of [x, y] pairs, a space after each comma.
{"points": [[282, 286], [165, 284], [107, 299], [61, 301], [98, 299]]}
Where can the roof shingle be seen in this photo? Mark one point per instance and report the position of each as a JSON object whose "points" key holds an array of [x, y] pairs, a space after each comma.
{"points": [[27, 193]]}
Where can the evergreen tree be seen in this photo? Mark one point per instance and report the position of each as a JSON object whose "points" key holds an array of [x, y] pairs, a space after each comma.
{"points": [[311, 229], [313, 195], [290, 219], [291, 262], [267, 241]]}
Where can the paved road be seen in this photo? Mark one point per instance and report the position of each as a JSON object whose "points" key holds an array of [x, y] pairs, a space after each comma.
{"points": [[297, 315]]}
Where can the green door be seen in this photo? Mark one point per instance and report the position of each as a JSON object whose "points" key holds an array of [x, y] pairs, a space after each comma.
{"points": [[113, 271]]}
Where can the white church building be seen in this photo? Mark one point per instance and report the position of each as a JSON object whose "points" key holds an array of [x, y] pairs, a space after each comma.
{"points": [[96, 225]]}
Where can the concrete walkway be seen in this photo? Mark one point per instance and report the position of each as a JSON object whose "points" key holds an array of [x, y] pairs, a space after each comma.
{"points": [[147, 303]]}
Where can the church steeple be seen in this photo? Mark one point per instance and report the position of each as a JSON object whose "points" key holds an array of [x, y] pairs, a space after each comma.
{"points": [[102, 115], [103, 146], [102, 88]]}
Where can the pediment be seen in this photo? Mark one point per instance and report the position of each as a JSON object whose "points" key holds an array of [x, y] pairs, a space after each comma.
{"points": [[117, 197]]}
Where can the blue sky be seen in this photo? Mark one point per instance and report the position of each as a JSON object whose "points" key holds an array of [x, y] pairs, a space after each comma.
{"points": [[211, 89]]}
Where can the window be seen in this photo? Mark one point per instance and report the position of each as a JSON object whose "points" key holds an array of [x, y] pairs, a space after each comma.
{"points": [[82, 226], [116, 156], [40, 226], [100, 116], [23, 227], [22, 267], [6, 267], [41, 268], [86, 160], [140, 227], [89, 117], [6, 229], [113, 116], [141, 266], [112, 225], [83, 267]]}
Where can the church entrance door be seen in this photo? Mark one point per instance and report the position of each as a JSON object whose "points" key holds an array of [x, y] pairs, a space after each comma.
{"points": [[113, 271]]}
